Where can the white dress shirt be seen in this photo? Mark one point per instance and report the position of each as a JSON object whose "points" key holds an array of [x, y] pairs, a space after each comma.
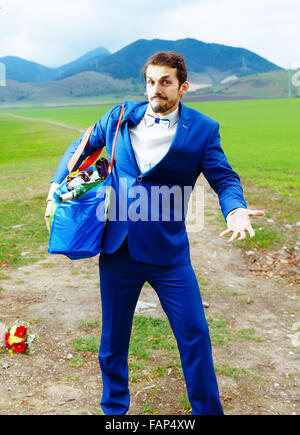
{"points": [[151, 140]]}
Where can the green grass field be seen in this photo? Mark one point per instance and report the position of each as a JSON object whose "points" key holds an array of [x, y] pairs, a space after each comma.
{"points": [[261, 139]]}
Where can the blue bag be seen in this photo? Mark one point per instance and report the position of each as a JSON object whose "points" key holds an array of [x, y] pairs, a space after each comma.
{"points": [[78, 225]]}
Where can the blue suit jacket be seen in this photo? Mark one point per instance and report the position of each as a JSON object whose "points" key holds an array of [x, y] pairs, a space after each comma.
{"points": [[195, 148]]}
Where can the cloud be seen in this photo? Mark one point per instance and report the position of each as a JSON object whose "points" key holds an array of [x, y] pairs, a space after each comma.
{"points": [[57, 31], [54, 32], [268, 27]]}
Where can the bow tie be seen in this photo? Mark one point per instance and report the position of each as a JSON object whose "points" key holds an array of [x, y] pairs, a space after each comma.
{"points": [[151, 120]]}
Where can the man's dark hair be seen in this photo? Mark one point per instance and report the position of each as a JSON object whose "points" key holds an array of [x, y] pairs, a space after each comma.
{"points": [[171, 59]]}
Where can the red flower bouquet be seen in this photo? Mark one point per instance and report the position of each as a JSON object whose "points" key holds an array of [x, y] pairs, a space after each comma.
{"points": [[18, 340]]}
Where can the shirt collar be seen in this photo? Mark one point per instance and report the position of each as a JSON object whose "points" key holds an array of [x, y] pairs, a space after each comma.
{"points": [[173, 117]]}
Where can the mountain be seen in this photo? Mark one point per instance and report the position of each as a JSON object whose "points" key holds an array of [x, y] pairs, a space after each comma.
{"points": [[213, 70], [25, 71], [82, 63], [214, 61], [206, 62]]}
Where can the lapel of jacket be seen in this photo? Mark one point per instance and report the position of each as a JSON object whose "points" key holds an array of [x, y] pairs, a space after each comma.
{"points": [[132, 118], [183, 128]]}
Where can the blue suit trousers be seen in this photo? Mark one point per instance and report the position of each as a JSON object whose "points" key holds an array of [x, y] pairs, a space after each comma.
{"points": [[121, 280]]}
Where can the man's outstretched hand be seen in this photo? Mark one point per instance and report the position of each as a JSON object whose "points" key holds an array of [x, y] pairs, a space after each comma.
{"points": [[239, 222]]}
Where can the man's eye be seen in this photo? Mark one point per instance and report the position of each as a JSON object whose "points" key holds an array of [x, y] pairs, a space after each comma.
{"points": [[166, 82]]}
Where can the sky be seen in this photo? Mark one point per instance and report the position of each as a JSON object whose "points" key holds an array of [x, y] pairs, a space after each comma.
{"points": [[58, 31]]}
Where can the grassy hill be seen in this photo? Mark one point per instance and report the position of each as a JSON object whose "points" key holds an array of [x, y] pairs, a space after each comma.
{"points": [[272, 84], [92, 88], [86, 85]]}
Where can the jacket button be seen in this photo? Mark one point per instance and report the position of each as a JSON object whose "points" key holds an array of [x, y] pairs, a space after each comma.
{"points": [[139, 179]]}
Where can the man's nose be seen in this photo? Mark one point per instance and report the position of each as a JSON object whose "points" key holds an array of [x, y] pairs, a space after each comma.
{"points": [[157, 88]]}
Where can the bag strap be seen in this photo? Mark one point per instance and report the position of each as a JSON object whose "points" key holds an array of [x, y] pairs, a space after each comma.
{"points": [[115, 139], [74, 159]]}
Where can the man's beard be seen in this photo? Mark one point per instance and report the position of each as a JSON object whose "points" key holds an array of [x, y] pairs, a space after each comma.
{"points": [[162, 105]]}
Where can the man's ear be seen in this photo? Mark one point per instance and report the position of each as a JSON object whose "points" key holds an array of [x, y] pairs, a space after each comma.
{"points": [[184, 88]]}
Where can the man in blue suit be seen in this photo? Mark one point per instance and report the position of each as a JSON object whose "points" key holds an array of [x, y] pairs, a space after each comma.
{"points": [[162, 145]]}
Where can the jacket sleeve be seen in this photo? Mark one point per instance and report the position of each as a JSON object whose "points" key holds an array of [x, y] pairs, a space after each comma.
{"points": [[219, 174], [96, 142]]}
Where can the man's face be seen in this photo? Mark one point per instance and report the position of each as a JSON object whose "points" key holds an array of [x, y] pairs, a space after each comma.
{"points": [[163, 90]]}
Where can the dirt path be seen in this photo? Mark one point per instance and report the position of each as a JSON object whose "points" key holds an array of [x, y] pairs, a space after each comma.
{"points": [[258, 371], [46, 121]]}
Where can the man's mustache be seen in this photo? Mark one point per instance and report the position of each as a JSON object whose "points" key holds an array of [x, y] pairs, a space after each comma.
{"points": [[159, 96]]}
